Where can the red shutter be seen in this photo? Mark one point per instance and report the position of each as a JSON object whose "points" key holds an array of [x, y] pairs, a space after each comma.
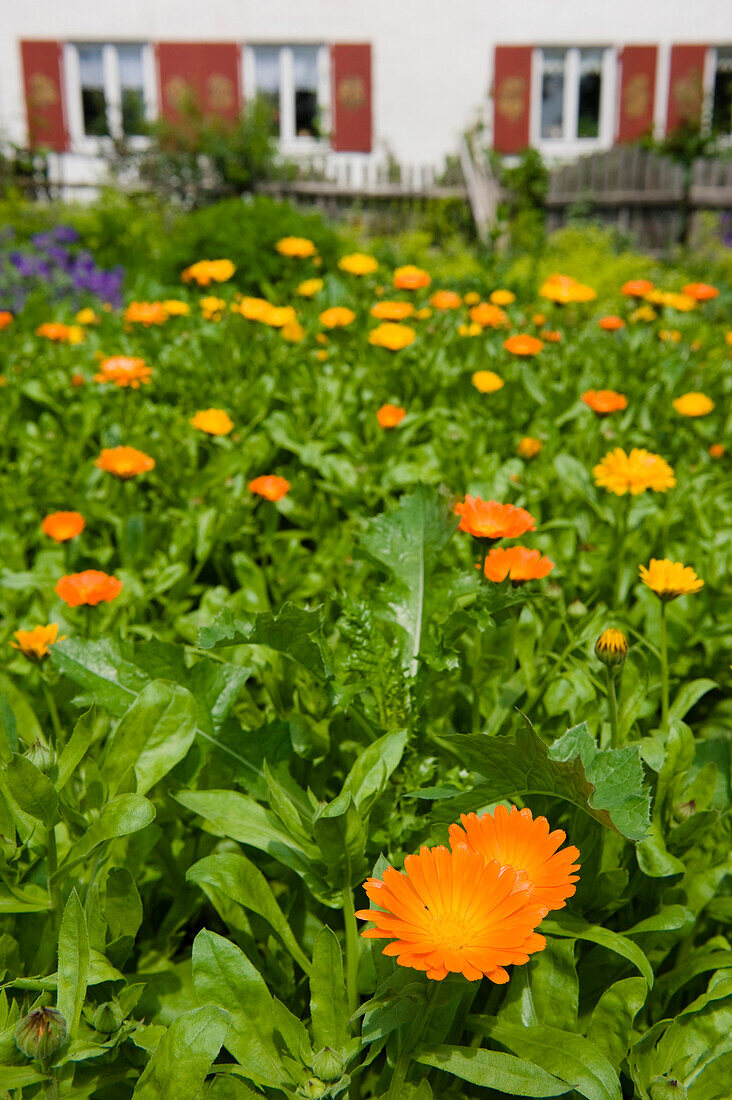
{"points": [[511, 98], [637, 91], [686, 85], [44, 97], [209, 71], [351, 86]]}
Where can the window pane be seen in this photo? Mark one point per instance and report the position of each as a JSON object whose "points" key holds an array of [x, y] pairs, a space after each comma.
{"points": [[590, 86], [133, 111], [132, 83], [552, 93], [722, 101], [93, 103], [305, 64], [267, 80]]}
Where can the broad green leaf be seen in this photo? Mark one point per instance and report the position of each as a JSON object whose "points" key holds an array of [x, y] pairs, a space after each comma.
{"points": [[568, 924], [88, 729], [32, 790], [689, 695], [100, 667], [545, 990], [239, 879], [184, 1055], [293, 631], [17, 717], [155, 733], [611, 1025], [328, 1008], [125, 814], [493, 1070], [369, 775], [341, 838], [73, 963], [23, 899], [228, 1087]]}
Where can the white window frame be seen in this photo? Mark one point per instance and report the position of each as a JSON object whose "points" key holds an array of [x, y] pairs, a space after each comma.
{"points": [[289, 143], [95, 146], [569, 144]]}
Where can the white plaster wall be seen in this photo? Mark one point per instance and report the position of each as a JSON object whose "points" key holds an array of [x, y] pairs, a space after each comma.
{"points": [[432, 59]]}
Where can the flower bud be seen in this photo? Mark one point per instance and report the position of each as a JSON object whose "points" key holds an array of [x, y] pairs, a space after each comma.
{"points": [[313, 1089], [107, 1017], [611, 647], [39, 1034], [40, 756], [667, 1087], [328, 1064]]}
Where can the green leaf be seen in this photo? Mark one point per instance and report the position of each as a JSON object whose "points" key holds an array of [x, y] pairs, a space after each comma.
{"points": [[100, 667], [568, 924], [236, 877], [155, 733], [293, 631], [689, 695], [23, 899], [87, 730], [369, 775], [341, 838], [125, 814], [73, 963], [545, 990], [32, 790], [184, 1055], [328, 1008], [611, 1025], [493, 1070]]}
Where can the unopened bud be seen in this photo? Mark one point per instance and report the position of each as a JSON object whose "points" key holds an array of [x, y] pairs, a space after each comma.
{"points": [[328, 1064], [313, 1089], [39, 1034], [107, 1017], [40, 756], [611, 647]]}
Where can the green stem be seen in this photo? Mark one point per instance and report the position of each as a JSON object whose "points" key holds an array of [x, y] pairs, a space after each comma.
{"points": [[399, 1076], [349, 920], [663, 646], [50, 1087], [622, 533], [476, 723], [52, 712], [613, 703]]}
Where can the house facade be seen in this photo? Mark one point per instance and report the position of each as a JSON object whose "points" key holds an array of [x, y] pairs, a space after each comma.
{"points": [[363, 82]]}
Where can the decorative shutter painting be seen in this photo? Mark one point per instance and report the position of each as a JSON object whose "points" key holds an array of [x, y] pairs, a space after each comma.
{"points": [[511, 98], [686, 85], [352, 119], [209, 71], [637, 91], [44, 96]]}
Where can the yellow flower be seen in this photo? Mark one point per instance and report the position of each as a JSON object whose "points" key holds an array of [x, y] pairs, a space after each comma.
{"points": [[693, 404], [728, 338], [86, 317], [297, 247], [670, 579], [563, 289], [309, 288], [670, 335], [471, 298], [423, 313], [392, 336], [473, 329], [278, 316], [392, 311], [487, 381], [175, 308], [34, 643], [643, 313], [212, 422], [254, 309], [206, 272], [321, 355], [337, 317], [212, 308], [528, 447], [633, 473], [611, 647], [358, 263], [681, 302], [293, 332], [502, 297]]}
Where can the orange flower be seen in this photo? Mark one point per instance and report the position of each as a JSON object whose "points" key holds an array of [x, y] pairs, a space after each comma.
{"points": [[34, 643], [717, 450], [393, 337], [392, 311], [487, 381], [513, 839], [175, 308], [637, 288], [550, 336], [270, 486], [604, 402], [278, 316], [693, 404], [502, 297], [611, 323], [293, 332], [523, 344], [212, 307], [451, 912], [146, 313], [77, 380], [487, 519], [254, 309], [538, 319], [700, 292], [389, 416], [487, 315], [212, 422], [124, 462], [358, 263], [410, 277], [423, 313], [6, 318], [206, 272], [124, 370], [337, 317], [671, 300], [309, 288], [445, 299], [643, 313], [563, 289], [61, 334], [633, 473], [528, 447], [296, 247], [470, 330], [728, 338], [62, 526], [90, 588], [516, 562], [471, 298], [670, 579]]}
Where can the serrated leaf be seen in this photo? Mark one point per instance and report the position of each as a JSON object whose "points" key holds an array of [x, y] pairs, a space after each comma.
{"points": [[293, 631]]}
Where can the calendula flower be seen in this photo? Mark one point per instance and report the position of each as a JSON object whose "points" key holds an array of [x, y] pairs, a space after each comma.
{"points": [[212, 308], [487, 519], [423, 313], [523, 344], [6, 318], [517, 563], [644, 313], [611, 323], [124, 370], [337, 317], [293, 332], [270, 486], [321, 355], [90, 588], [254, 309], [693, 404], [206, 272], [513, 839], [471, 298], [389, 416], [611, 647], [671, 300], [473, 329], [700, 292], [670, 335], [34, 643], [358, 263], [393, 337], [670, 579], [124, 462], [299, 248], [550, 336], [174, 307], [502, 297], [309, 288], [61, 334], [563, 289], [633, 473], [451, 912], [637, 288], [445, 299], [410, 277], [487, 381], [604, 402], [278, 316], [212, 422], [528, 447], [717, 450], [146, 313], [538, 319], [392, 311], [62, 526], [86, 316], [487, 315], [77, 380]]}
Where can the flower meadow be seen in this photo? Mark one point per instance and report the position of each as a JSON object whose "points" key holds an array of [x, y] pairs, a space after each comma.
{"points": [[364, 727]]}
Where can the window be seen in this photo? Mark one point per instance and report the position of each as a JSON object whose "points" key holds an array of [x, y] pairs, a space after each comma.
{"points": [[109, 90], [294, 80], [721, 120], [574, 94], [93, 101], [590, 87], [552, 93]]}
